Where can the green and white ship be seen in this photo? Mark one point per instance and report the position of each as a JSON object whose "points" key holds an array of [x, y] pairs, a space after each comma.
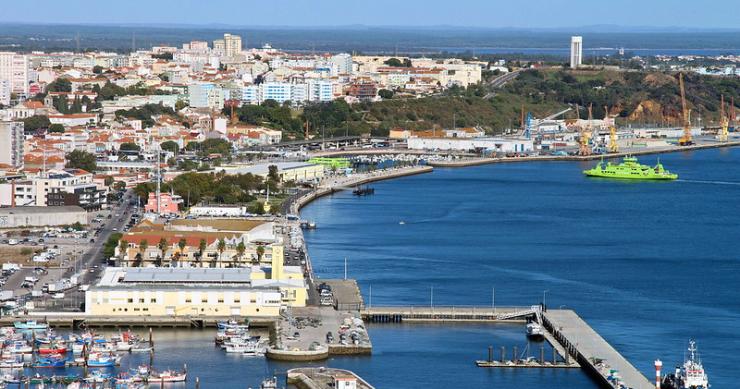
{"points": [[630, 169]]}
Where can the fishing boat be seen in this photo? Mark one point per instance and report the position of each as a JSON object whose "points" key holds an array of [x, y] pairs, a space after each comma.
{"points": [[30, 325], [630, 169], [168, 376], [50, 363], [535, 331], [52, 349], [99, 360], [232, 325], [20, 347], [141, 347], [11, 363]]}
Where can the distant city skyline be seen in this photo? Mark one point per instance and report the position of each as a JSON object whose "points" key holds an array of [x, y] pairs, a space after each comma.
{"points": [[327, 13]]}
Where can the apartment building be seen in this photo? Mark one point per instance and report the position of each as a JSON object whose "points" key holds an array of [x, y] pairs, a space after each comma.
{"points": [[11, 144], [55, 188], [14, 68]]}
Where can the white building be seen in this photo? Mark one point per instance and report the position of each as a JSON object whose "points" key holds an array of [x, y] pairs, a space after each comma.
{"points": [[499, 145], [576, 51], [343, 63], [14, 68], [11, 144], [5, 92], [207, 95]]}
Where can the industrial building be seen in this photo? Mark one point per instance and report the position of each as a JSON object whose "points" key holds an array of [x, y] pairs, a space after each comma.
{"points": [[498, 145], [18, 217], [202, 292]]}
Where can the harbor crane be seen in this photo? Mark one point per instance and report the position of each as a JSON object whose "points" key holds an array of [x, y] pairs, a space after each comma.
{"points": [[584, 148], [613, 146], [724, 123], [686, 139]]}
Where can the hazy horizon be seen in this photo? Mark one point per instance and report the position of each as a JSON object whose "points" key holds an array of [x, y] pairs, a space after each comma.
{"points": [[539, 14]]}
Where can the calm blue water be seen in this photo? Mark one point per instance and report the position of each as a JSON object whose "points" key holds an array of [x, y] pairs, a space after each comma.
{"points": [[647, 264]]}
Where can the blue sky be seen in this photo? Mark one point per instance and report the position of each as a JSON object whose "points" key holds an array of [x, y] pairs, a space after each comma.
{"points": [[469, 13]]}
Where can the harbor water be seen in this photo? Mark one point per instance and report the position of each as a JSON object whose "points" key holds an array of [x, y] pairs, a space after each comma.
{"points": [[647, 264]]}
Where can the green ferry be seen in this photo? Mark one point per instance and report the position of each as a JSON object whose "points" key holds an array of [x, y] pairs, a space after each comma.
{"points": [[630, 169]]}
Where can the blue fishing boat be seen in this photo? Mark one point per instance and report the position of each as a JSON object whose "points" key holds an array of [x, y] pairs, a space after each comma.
{"points": [[50, 363]]}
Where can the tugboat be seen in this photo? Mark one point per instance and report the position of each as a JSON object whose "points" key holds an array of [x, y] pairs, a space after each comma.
{"points": [[690, 375], [630, 169], [360, 191]]}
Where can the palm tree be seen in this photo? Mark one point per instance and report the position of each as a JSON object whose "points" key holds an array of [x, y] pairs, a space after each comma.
{"points": [[260, 253], [162, 245], [221, 247], [181, 245], [142, 250], [201, 249], [123, 246], [240, 249]]}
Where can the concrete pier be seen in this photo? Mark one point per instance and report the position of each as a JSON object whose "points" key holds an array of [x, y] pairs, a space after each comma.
{"points": [[445, 314], [594, 354]]}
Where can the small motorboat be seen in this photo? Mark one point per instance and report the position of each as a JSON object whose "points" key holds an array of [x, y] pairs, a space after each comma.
{"points": [[20, 347], [535, 331], [141, 347], [11, 363], [168, 376]]}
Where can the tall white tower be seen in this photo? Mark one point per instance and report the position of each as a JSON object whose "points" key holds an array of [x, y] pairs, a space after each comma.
{"points": [[576, 51]]}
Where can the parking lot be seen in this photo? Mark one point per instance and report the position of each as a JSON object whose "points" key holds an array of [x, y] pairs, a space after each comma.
{"points": [[62, 259]]}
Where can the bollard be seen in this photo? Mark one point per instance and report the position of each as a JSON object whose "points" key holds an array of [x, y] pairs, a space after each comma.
{"points": [[514, 354], [490, 353], [503, 354], [151, 340], [542, 354]]}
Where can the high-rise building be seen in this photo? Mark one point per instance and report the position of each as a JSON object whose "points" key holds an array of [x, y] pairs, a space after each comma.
{"points": [[343, 63], [11, 144], [5, 92], [576, 51], [14, 68], [232, 45]]}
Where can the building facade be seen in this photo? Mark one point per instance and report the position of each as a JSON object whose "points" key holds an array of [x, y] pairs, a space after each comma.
{"points": [[14, 68], [11, 144], [576, 51]]}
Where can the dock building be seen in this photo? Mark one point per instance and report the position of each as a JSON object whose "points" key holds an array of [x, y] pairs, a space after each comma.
{"points": [[198, 292]]}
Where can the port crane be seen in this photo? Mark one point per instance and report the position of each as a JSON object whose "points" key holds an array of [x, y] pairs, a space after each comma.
{"points": [[686, 139], [585, 136], [613, 146], [724, 123]]}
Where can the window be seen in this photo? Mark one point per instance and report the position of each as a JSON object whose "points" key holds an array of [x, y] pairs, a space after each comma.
{"points": [[237, 301], [221, 301], [145, 309], [141, 300], [130, 300], [136, 309], [188, 301]]}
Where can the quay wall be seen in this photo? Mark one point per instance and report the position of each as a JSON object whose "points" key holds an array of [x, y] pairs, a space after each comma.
{"points": [[666, 150]]}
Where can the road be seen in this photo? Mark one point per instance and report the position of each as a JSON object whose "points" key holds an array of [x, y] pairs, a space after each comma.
{"points": [[500, 81]]}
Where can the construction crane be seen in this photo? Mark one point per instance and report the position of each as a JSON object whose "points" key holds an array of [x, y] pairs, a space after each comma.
{"points": [[731, 127], [613, 146], [723, 122], [585, 137], [686, 139]]}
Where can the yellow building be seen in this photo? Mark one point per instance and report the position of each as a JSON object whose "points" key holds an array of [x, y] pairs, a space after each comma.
{"points": [[201, 292]]}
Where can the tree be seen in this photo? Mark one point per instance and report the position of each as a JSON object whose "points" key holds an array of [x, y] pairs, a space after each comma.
{"points": [[123, 246], [59, 85], [385, 93], [35, 122], [240, 249], [128, 146], [201, 249], [221, 247], [97, 69], [119, 185], [79, 159], [394, 62], [142, 250], [179, 104], [260, 253], [162, 245], [170, 146], [108, 181], [272, 173], [181, 245], [56, 127]]}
